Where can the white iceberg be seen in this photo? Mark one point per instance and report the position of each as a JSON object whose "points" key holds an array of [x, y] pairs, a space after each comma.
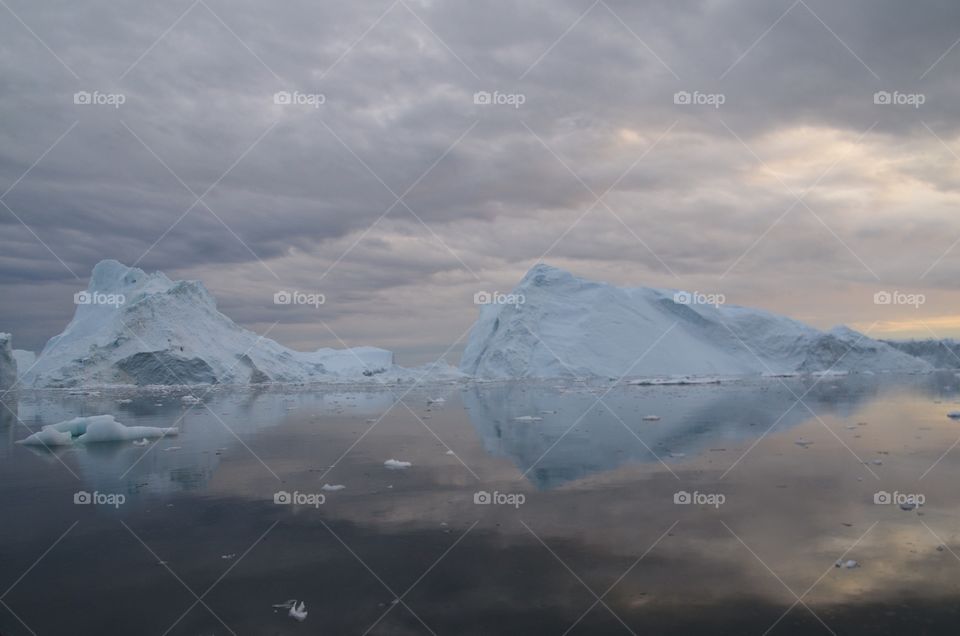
{"points": [[145, 329], [396, 464], [91, 430], [575, 328]]}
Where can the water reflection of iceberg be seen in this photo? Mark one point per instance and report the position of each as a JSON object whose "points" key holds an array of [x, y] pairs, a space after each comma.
{"points": [[693, 419]]}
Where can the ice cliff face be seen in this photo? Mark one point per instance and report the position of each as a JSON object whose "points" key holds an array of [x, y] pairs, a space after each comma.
{"points": [[136, 328], [571, 327], [8, 364]]}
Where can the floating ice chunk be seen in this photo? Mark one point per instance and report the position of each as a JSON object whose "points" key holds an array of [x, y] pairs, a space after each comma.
{"points": [[849, 564], [332, 487], [298, 612], [438, 400], [190, 399], [396, 464], [124, 401], [651, 418], [528, 418], [97, 428], [141, 442], [449, 452], [228, 557]]}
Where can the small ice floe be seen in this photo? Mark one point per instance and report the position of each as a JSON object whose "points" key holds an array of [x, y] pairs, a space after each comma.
{"points": [[294, 609], [172, 448], [449, 452], [141, 442], [849, 564], [437, 400], [678, 454], [372, 420], [877, 462], [954, 415], [396, 464], [228, 557], [97, 428], [332, 487], [298, 611], [651, 418], [190, 399], [124, 401], [803, 443], [528, 418]]}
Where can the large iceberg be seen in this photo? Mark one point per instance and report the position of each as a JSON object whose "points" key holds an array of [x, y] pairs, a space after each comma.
{"points": [[557, 325], [8, 364], [134, 328]]}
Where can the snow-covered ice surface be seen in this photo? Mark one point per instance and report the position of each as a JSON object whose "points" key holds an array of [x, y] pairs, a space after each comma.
{"points": [[163, 332], [8, 363], [571, 327]]}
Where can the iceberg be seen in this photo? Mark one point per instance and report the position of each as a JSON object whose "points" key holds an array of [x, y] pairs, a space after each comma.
{"points": [[91, 430], [569, 327], [145, 329]]}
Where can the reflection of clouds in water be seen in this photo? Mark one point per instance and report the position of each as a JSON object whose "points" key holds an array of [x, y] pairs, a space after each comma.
{"points": [[600, 499]]}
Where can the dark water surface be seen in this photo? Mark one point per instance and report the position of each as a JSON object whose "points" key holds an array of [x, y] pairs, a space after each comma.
{"points": [[783, 488]]}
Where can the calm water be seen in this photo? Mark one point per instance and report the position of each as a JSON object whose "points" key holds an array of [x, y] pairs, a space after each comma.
{"points": [[587, 537]]}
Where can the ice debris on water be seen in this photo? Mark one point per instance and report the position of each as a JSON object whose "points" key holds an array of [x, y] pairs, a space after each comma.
{"points": [[332, 487], [528, 418], [396, 464], [296, 610], [88, 430], [849, 564]]}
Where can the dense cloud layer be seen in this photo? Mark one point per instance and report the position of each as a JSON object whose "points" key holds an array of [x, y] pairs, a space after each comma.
{"points": [[399, 197]]}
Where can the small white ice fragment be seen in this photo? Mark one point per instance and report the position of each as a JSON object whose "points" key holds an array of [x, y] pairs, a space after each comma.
{"points": [[528, 418], [848, 564], [332, 487], [298, 612], [449, 452], [438, 400], [396, 464], [141, 442], [190, 399], [228, 557]]}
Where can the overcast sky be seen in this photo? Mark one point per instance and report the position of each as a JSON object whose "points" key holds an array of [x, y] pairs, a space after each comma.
{"points": [[399, 196]]}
